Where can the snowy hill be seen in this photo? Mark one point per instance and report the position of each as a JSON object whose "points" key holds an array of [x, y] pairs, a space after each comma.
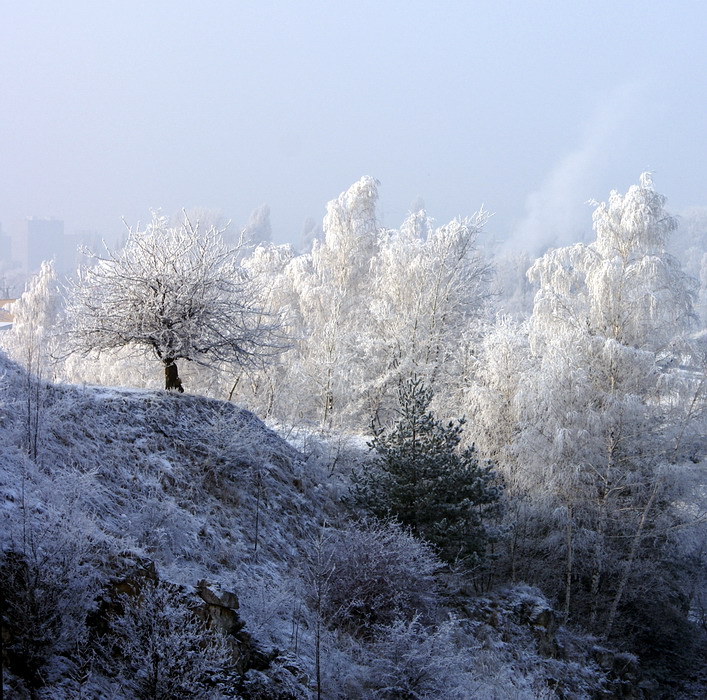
{"points": [[160, 545]]}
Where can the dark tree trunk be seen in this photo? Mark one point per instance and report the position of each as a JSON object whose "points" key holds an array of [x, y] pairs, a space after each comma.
{"points": [[172, 382]]}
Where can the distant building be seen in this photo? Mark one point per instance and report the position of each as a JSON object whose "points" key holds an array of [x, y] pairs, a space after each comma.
{"points": [[45, 241], [5, 247]]}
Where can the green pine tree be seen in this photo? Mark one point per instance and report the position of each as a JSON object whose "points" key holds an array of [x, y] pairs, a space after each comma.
{"points": [[423, 480]]}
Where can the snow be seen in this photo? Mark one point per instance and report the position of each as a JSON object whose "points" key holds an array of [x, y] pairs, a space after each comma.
{"points": [[590, 407], [179, 481]]}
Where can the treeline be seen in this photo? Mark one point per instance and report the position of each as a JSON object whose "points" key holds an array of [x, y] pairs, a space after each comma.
{"points": [[587, 396]]}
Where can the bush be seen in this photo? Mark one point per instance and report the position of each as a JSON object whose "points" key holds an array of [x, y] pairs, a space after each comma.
{"points": [[47, 585], [160, 649], [416, 662], [376, 573]]}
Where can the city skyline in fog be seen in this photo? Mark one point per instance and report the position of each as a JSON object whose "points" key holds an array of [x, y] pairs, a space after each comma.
{"points": [[114, 109]]}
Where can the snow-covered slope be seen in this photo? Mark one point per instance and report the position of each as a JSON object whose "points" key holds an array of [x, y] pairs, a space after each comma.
{"points": [[163, 545]]}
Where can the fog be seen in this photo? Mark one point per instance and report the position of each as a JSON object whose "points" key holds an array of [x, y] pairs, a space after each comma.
{"points": [[113, 109]]}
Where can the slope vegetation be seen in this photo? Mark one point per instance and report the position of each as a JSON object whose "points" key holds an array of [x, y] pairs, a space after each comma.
{"points": [[166, 546]]}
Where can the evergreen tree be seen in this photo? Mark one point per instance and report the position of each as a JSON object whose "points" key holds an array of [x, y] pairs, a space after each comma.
{"points": [[422, 479]]}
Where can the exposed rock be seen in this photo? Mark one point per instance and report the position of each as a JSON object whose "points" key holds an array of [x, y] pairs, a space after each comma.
{"points": [[535, 613], [225, 599]]}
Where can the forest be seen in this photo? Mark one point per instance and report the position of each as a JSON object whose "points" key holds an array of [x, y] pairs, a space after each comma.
{"points": [[395, 463]]}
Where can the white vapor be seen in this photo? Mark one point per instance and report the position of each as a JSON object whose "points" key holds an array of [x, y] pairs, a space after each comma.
{"points": [[557, 213]]}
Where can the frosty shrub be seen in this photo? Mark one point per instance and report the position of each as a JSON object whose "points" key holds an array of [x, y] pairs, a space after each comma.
{"points": [[375, 574], [411, 660], [424, 481], [275, 683], [47, 585], [362, 577], [161, 650], [38, 619]]}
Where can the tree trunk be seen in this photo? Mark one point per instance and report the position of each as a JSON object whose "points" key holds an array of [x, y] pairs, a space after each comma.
{"points": [[328, 398], [596, 579], [628, 567], [569, 565], [172, 382]]}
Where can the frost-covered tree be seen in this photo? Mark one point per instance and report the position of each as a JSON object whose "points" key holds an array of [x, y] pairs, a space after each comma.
{"points": [[592, 448], [323, 298], [625, 286], [502, 361], [332, 299], [32, 338], [423, 479], [430, 285], [511, 287], [32, 342], [177, 293], [268, 389], [690, 247], [258, 228], [367, 308]]}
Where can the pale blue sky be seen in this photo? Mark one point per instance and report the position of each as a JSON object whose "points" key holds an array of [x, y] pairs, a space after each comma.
{"points": [[111, 108]]}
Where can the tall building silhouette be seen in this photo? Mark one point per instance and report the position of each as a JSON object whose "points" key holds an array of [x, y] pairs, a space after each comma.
{"points": [[45, 240], [5, 247]]}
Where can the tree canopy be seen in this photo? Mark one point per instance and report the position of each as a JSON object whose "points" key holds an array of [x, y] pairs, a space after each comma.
{"points": [[177, 292]]}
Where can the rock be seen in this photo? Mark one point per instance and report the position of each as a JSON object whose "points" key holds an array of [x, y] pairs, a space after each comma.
{"points": [[219, 610], [532, 611], [224, 598]]}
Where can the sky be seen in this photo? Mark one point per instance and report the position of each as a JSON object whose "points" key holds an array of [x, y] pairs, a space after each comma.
{"points": [[111, 109]]}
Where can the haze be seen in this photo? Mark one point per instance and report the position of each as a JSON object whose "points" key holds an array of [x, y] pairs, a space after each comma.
{"points": [[111, 109]]}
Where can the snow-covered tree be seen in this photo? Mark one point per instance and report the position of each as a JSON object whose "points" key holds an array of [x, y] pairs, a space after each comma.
{"points": [[429, 288], [366, 309], [175, 292], [332, 302], [690, 247], [323, 298], [258, 228], [592, 447], [32, 342], [502, 369], [511, 287], [35, 313], [268, 389], [625, 286]]}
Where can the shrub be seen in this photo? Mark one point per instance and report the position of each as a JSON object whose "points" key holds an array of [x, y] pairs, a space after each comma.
{"points": [[376, 573]]}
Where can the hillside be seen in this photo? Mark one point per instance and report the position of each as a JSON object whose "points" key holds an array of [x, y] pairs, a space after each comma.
{"points": [[160, 545]]}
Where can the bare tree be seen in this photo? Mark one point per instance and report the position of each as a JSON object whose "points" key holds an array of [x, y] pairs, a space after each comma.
{"points": [[32, 342], [177, 292]]}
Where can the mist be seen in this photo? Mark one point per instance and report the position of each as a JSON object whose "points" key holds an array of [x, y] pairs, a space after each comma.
{"points": [[353, 350], [529, 111]]}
